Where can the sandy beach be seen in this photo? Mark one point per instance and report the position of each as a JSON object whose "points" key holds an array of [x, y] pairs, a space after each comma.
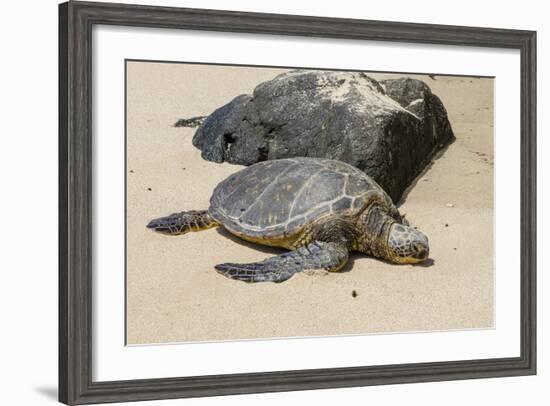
{"points": [[175, 295]]}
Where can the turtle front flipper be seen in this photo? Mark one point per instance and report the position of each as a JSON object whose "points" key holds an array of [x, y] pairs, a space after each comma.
{"points": [[316, 255], [183, 222]]}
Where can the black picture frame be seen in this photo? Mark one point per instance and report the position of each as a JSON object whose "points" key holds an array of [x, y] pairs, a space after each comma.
{"points": [[76, 20]]}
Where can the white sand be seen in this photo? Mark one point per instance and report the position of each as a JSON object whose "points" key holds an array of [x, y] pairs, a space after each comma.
{"points": [[174, 293]]}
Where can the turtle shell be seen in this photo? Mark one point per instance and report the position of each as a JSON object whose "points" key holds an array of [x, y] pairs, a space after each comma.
{"points": [[276, 199]]}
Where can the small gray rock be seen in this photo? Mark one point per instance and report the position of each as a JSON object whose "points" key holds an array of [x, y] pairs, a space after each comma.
{"points": [[389, 129], [190, 122]]}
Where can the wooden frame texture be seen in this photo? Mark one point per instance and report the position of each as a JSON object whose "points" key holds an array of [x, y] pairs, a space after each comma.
{"points": [[76, 20]]}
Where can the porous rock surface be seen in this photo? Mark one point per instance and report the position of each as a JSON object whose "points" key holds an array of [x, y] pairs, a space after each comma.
{"points": [[389, 129]]}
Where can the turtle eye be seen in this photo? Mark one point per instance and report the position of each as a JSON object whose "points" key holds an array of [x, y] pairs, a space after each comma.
{"points": [[420, 250]]}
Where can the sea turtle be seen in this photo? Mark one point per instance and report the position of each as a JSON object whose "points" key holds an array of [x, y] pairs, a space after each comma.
{"points": [[320, 209]]}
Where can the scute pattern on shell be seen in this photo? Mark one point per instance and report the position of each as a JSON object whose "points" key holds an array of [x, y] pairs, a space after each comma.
{"points": [[279, 197]]}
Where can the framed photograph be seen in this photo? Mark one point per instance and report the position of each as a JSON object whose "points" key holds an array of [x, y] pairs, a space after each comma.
{"points": [[260, 202]]}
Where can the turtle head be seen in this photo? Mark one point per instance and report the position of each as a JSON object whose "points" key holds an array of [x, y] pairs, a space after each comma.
{"points": [[406, 245], [389, 236]]}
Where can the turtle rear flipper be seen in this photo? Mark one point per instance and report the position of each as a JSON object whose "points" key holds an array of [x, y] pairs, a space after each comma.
{"points": [[317, 255], [183, 222]]}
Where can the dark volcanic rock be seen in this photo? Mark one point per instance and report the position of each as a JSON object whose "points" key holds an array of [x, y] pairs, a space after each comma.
{"points": [[390, 129]]}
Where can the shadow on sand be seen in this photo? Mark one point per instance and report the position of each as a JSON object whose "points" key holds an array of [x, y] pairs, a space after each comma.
{"points": [[262, 248], [437, 156]]}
